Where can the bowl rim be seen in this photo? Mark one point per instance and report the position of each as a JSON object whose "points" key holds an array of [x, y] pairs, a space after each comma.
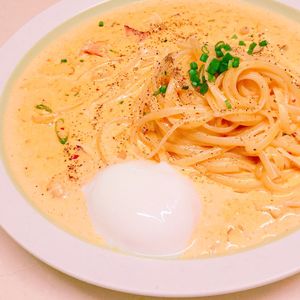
{"points": [[145, 276]]}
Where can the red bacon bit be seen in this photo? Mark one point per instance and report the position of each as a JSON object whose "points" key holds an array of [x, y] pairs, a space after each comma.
{"points": [[94, 48], [140, 34], [74, 156]]}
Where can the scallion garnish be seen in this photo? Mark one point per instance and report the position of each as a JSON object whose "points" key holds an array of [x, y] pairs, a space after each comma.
{"points": [[263, 43], [236, 62], [43, 107], [101, 24], [251, 48], [213, 67], [204, 57], [204, 49], [223, 67], [61, 132], [234, 37], [211, 78], [242, 43], [228, 104], [203, 88], [163, 89], [63, 61], [219, 46], [194, 65], [227, 57]]}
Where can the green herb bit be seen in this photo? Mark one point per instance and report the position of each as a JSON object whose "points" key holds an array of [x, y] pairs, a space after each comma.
{"points": [[63, 61], [61, 132], [242, 43], [193, 72], [204, 57], [43, 107], [101, 24], [194, 66], [156, 93], [251, 48], [236, 62], [214, 66], [227, 57], [263, 43], [221, 45], [204, 49], [230, 64], [203, 88], [195, 83], [211, 78], [223, 67], [163, 89], [228, 104], [234, 37], [194, 75], [219, 53]]}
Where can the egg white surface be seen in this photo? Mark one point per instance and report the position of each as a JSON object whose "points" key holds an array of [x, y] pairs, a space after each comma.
{"points": [[144, 208]]}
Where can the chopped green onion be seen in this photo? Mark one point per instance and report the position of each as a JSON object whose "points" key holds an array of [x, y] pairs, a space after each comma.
{"points": [[228, 104], [101, 24], [219, 44], [223, 66], [234, 37], [63, 60], [195, 83], [185, 87], [236, 62], [204, 49], [227, 47], [213, 67], [61, 132], [204, 57], [203, 88], [193, 72], [242, 43], [163, 89], [227, 57], [211, 78], [194, 65], [230, 64], [219, 53], [263, 43], [43, 107], [251, 48]]}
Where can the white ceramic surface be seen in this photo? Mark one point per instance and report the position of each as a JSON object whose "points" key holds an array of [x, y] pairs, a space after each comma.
{"points": [[99, 266]]}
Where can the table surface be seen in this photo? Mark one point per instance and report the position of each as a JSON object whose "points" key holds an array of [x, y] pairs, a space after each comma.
{"points": [[23, 276]]}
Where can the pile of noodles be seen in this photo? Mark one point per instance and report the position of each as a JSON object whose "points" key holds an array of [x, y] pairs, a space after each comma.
{"points": [[254, 144]]}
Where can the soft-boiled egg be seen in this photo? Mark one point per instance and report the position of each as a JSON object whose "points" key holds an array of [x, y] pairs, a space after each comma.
{"points": [[144, 208]]}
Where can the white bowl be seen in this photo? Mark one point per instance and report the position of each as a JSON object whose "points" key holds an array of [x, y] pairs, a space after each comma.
{"points": [[201, 277]]}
